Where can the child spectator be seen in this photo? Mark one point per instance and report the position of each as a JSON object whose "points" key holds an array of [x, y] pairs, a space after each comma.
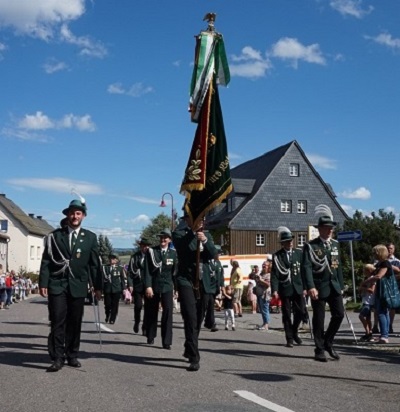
{"points": [[127, 297], [228, 294], [367, 290], [251, 296]]}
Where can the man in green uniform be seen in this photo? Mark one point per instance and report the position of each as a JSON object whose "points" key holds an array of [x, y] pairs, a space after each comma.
{"points": [[70, 262], [136, 281], [160, 267], [322, 273], [114, 282], [187, 240], [287, 284], [211, 282]]}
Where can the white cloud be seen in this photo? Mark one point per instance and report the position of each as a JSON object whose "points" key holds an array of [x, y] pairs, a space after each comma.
{"points": [[39, 18], [136, 90], [48, 20], [321, 162], [291, 49], [361, 193], [352, 8], [386, 39], [57, 184], [141, 199], [140, 219], [40, 121], [24, 135], [249, 64], [88, 47], [348, 209], [53, 66]]}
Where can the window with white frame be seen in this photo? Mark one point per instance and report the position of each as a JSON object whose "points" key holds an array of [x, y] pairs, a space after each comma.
{"points": [[294, 169], [286, 206], [260, 239], [38, 252], [302, 206], [32, 252], [301, 240]]}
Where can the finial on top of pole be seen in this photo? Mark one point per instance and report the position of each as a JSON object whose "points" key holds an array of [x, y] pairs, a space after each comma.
{"points": [[210, 17]]}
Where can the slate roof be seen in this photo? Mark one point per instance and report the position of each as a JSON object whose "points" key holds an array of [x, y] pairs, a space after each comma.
{"points": [[248, 179], [34, 225]]}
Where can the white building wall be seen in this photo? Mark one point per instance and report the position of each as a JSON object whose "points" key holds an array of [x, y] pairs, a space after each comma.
{"points": [[19, 247]]}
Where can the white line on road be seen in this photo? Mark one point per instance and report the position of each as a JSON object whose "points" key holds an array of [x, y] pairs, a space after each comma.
{"points": [[261, 401]]}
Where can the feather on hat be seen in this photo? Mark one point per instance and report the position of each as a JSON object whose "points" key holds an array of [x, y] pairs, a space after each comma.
{"points": [[324, 215], [284, 234]]}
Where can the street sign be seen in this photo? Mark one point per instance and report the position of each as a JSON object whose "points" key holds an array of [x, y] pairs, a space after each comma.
{"points": [[351, 235]]}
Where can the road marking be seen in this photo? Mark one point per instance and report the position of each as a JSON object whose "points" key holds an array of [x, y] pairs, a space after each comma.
{"points": [[261, 401]]}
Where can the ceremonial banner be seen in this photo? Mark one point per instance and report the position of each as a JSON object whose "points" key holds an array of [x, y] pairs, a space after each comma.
{"points": [[207, 181]]}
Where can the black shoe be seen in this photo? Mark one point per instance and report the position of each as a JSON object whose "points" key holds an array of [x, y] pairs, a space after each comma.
{"points": [[391, 329], [289, 344], [240, 315], [74, 363], [193, 367], [168, 347], [375, 329], [150, 341], [214, 328], [112, 322], [136, 327], [297, 340], [55, 366], [332, 353], [185, 355], [320, 357], [107, 319]]}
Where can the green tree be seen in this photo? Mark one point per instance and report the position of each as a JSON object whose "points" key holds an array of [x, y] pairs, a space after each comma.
{"points": [[158, 223], [105, 248], [377, 228]]}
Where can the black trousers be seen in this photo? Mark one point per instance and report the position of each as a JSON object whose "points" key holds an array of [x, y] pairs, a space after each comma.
{"points": [[295, 304], [152, 308], [111, 305], [207, 313], [335, 303], [138, 305], [191, 309], [66, 313]]}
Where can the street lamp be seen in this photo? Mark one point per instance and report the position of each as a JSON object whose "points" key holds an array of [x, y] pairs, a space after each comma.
{"points": [[163, 204]]}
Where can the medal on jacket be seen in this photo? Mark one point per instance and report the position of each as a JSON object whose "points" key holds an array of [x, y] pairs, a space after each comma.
{"points": [[78, 253]]}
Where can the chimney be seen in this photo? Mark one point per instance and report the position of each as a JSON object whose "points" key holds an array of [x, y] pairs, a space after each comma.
{"points": [[31, 215], [39, 217], [2, 195]]}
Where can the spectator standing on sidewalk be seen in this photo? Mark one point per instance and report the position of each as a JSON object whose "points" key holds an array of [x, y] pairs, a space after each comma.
{"points": [[263, 292], [396, 270], [237, 284]]}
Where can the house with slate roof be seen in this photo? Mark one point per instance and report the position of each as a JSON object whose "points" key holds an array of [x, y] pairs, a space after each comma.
{"points": [[21, 237], [279, 188]]}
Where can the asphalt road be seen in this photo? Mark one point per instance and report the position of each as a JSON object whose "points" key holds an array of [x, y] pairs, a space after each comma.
{"points": [[242, 370]]}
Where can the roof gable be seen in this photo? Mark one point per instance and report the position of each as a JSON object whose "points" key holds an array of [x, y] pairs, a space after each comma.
{"points": [[33, 225]]}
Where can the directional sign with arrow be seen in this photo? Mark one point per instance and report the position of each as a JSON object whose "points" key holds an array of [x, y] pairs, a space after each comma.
{"points": [[351, 235]]}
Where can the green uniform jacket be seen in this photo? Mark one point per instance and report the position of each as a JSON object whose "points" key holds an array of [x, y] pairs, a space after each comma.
{"points": [[159, 271], [185, 242], [136, 272], [62, 269], [212, 276], [331, 274], [114, 279], [286, 276]]}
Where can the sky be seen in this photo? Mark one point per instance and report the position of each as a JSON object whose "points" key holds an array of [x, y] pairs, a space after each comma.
{"points": [[94, 98]]}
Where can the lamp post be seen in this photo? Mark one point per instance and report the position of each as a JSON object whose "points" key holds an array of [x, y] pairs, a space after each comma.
{"points": [[163, 204]]}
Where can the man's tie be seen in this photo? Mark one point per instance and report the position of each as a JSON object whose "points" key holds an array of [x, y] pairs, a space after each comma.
{"points": [[73, 239]]}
